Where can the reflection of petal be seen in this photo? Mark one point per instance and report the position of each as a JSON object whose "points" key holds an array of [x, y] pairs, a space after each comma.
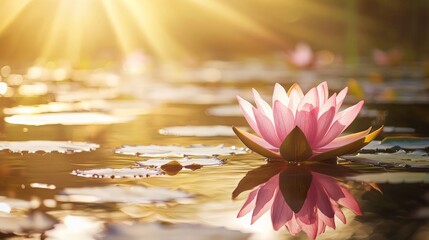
{"points": [[299, 199], [257, 177], [249, 204], [265, 198], [280, 211]]}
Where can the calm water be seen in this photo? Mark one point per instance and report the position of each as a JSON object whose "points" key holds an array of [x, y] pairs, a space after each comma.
{"points": [[400, 212]]}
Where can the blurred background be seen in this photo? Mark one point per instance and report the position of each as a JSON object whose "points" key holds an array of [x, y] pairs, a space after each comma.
{"points": [[97, 33]]}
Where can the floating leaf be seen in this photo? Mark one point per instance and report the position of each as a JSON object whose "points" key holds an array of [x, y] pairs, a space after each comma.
{"points": [[390, 129], [117, 173], [47, 146], [226, 111], [76, 227], [198, 131], [116, 107], [295, 147], [122, 194], [43, 185], [7, 204], [392, 177], [169, 231], [184, 162], [179, 151], [35, 222], [407, 143], [399, 159], [71, 118]]}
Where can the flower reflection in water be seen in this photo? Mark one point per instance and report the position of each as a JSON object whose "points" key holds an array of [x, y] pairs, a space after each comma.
{"points": [[297, 197]]}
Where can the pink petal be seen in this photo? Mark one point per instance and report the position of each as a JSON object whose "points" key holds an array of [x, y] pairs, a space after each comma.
{"points": [[283, 120], [307, 213], [265, 198], [343, 140], [328, 221], [266, 128], [249, 204], [280, 211], [349, 202], [349, 114], [323, 123], [338, 213], [280, 95], [307, 122], [331, 102], [323, 93], [293, 226], [340, 97], [246, 108], [321, 226], [294, 100], [345, 118], [330, 185], [310, 98], [310, 229], [263, 106], [323, 201]]}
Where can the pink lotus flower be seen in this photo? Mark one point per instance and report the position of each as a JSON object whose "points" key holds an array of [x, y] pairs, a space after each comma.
{"points": [[302, 127], [300, 200], [386, 58], [302, 56]]}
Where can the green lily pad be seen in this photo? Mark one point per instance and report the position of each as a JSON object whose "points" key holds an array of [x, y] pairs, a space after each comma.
{"points": [[396, 143], [184, 162], [399, 159], [122, 194], [117, 173], [169, 231], [179, 151], [392, 177]]}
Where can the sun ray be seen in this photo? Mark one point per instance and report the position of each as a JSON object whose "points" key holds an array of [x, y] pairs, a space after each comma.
{"points": [[240, 20], [123, 37], [154, 33], [9, 11], [53, 37]]}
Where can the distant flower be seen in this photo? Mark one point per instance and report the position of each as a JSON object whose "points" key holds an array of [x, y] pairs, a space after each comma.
{"points": [[386, 58], [302, 127], [302, 56], [300, 200]]}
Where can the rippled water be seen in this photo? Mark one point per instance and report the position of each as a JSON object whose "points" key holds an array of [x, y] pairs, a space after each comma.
{"points": [[399, 212]]}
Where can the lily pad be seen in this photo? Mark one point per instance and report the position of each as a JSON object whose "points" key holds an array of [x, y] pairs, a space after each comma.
{"points": [[76, 227], [184, 162], [225, 111], [47, 146], [179, 151], [69, 118], [35, 222], [122, 194], [117, 173], [198, 131], [396, 143], [392, 177], [169, 231], [7, 204], [399, 159], [115, 107]]}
